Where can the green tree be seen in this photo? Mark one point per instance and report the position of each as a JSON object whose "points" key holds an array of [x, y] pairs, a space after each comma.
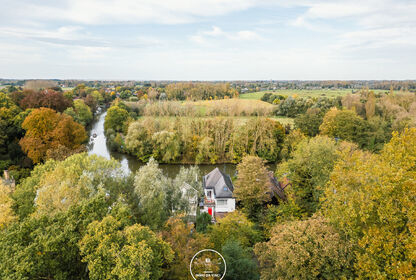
{"points": [[308, 171], [81, 113], [167, 146], [59, 185], [370, 199], [10, 130], [240, 262], [236, 226], [345, 125], [116, 119], [150, 186], [310, 122], [252, 184], [203, 220], [46, 246], [114, 250], [309, 249]]}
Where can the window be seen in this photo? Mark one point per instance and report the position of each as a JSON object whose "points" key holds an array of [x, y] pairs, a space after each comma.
{"points": [[221, 202], [209, 194], [225, 189]]}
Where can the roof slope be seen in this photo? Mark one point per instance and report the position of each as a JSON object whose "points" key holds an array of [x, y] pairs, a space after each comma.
{"points": [[220, 182]]}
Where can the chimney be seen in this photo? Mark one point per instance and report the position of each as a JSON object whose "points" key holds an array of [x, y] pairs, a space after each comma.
{"points": [[6, 175]]}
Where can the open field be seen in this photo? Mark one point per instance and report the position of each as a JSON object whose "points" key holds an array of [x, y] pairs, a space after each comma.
{"points": [[223, 107], [283, 120], [303, 93], [235, 107]]}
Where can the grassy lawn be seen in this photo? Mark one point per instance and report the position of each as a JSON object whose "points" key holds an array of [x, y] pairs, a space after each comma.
{"points": [[302, 93]]}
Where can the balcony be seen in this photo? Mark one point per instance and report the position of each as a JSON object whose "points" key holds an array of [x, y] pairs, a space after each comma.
{"points": [[209, 201]]}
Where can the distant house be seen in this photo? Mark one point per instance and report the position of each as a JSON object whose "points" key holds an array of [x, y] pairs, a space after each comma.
{"points": [[218, 194]]}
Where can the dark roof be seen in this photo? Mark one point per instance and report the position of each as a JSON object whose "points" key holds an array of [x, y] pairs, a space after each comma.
{"points": [[220, 182], [276, 187]]}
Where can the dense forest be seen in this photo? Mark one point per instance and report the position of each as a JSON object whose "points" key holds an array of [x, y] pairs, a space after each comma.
{"points": [[349, 162]]}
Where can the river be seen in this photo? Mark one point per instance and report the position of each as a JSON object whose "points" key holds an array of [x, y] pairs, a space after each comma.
{"points": [[98, 146]]}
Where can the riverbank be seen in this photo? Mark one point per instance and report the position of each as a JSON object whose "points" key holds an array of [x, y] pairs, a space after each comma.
{"points": [[98, 145]]}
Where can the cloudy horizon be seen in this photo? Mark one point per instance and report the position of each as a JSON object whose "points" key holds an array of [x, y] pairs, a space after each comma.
{"points": [[208, 40]]}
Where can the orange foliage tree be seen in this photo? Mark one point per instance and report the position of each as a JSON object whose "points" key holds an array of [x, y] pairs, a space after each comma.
{"points": [[51, 135]]}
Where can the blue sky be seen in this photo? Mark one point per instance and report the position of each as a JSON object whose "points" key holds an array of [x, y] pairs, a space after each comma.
{"points": [[208, 39]]}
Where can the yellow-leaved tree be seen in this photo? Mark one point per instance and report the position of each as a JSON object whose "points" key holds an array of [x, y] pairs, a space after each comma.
{"points": [[6, 212], [371, 199]]}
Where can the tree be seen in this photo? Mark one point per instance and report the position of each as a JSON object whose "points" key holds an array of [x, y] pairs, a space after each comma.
{"points": [[113, 250], [47, 98], [252, 184], [291, 141], [203, 220], [309, 249], [167, 146], [81, 113], [115, 119], [46, 246], [370, 105], [346, 125], [150, 186], [308, 171], [185, 242], [236, 226], [91, 102], [240, 262], [309, 122], [7, 215], [370, 199], [59, 185], [10, 131], [47, 130]]}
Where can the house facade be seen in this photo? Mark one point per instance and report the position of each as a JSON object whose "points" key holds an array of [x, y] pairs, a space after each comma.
{"points": [[218, 193]]}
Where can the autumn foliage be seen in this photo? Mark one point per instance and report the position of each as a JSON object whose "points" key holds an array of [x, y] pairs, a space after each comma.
{"points": [[370, 198], [46, 98], [50, 134]]}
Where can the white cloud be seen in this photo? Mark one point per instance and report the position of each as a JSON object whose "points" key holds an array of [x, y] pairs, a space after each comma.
{"points": [[128, 11], [216, 33]]}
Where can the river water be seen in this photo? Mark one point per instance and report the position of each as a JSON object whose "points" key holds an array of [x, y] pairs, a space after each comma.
{"points": [[98, 145]]}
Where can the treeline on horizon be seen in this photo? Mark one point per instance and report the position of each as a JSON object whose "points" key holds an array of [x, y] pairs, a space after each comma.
{"points": [[237, 84]]}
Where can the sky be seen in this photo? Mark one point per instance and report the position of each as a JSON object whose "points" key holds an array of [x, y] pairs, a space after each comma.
{"points": [[208, 39]]}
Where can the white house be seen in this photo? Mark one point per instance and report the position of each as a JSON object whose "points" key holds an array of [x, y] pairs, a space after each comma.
{"points": [[191, 195], [218, 193]]}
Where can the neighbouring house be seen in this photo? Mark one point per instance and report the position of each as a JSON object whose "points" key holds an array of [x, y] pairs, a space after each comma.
{"points": [[190, 194], [277, 188], [218, 194]]}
